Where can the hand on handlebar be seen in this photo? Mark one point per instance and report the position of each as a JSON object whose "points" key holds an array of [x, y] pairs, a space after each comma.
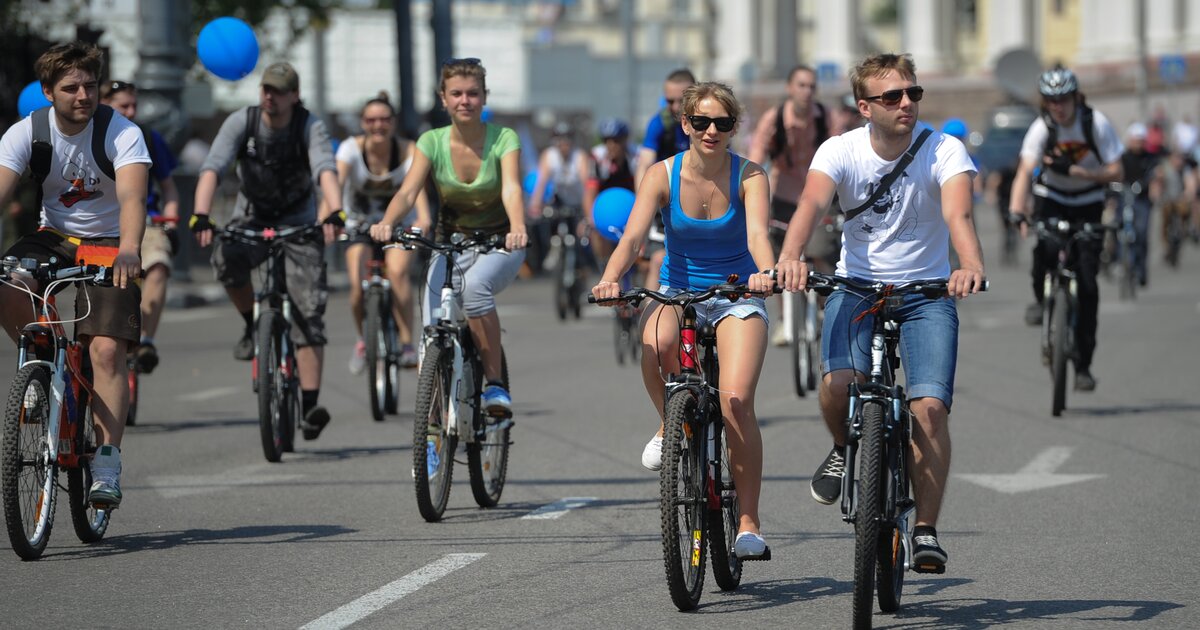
{"points": [[964, 282], [792, 274], [382, 232], [606, 290], [516, 240], [202, 228]]}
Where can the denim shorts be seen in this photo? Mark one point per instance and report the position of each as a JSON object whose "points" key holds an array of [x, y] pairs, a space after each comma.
{"points": [[928, 341], [712, 311]]}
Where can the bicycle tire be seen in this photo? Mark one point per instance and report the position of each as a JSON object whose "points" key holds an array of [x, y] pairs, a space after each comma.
{"points": [[28, 477], [377, 355], [293, 407], [1059, 339], [487, 462], [391, 335], [90, 523], [561, 299], [891, 556], [430, 436], [682, 504], [1174, 239], [723, 523], [134, 393], [796, 341], [1128, 285], [271, 405], [867, 511]]}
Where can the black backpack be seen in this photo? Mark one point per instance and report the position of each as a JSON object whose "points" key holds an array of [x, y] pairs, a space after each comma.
{"points": [[779, 142], [275, 184], [42, 152], [1086, 118]]}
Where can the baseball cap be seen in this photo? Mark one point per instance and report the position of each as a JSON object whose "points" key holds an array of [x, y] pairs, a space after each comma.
{"points": [[1137, 131], [281, 76]]}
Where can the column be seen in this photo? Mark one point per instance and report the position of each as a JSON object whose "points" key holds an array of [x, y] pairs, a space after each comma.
{"points": [[1009, 25], [1163, 27], [927, 28], [1108, 30], [1191, 25], [837, 35], [734, 28]]}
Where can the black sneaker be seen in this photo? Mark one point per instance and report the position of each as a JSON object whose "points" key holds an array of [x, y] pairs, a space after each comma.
{"points": [[1084, 381], [826, 483], [244, 350], [928, 555], [314, 421], [147, 357], [1033, 314]]}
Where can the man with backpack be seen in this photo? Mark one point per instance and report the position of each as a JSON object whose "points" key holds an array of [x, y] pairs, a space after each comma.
{"points": [[90, 168], [1076, 153], [283, 153]]}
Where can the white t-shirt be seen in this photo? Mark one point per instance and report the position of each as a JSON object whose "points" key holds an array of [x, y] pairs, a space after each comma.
{"points": [[1071, 141], [904, 236], [366, 195], [78, 199], [567, 184]]}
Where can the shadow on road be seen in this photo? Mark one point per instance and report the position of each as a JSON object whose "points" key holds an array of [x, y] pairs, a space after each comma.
{"points": [[192, 425], [976, 614], [769, 593], [1165, 406], [247, 535]]}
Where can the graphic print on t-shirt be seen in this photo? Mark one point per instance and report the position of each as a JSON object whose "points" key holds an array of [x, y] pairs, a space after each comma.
{"points": [[887, 219], [83, 185]]}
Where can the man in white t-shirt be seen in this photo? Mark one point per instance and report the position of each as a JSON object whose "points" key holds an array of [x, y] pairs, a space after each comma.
{"points": [[904, 236], [93, 201]]}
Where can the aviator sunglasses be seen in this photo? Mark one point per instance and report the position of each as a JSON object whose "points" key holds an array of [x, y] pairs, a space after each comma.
{"points": [[724, 124], [892, 97]]}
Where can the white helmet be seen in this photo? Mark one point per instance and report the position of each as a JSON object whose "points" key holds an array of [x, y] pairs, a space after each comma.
{"points": [[1057, 81]]}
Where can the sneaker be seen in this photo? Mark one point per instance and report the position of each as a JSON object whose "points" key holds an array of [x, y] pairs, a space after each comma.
{"points": [[780, 337], [928, 555], [106, 477], [751, 546], [1084, 381], [244, 350], [146, 357], [652, 454], [408, 356], [314, 422], [1033, 314], [496, 401], [826, 483], [358, 358]]}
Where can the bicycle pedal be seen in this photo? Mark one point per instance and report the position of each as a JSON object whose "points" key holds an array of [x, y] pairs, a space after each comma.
{"points": [[766, 555], [936, 569], [107, 507]]}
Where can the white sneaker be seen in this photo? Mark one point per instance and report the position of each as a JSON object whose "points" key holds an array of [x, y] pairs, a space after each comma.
{"points": [[652, 454], [749, 545], [106, 477], [358, 358], [780, 337]]}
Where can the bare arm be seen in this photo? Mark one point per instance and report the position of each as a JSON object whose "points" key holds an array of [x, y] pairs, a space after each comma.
{"points": [[404, 199], [513, 198], [957, 210], [131, 194], [756, 197], [818, 193], [8, 183], [650, 197], [170, 192], [1112, 172], [646, 159], [539, 189], [206, 189]]}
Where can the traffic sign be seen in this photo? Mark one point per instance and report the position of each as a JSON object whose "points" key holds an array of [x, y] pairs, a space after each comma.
{"points": [[1172, 69]]}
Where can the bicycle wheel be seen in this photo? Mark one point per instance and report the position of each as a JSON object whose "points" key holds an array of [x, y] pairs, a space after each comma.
{"points": [[272, 408], [377, 354], [292, 409], [487, 456], [723, 523], [1174, 238], [90, 523], [28, 477], [433, 447], [891, 556], [867, 511], [131, 415], [682, 502], [391, 392], [1059, 338], [561, 297], [795, 326]]}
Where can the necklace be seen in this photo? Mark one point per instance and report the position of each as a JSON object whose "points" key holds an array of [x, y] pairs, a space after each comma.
{"points": [[705, 205]]}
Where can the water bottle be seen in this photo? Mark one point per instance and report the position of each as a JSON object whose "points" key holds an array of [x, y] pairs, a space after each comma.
{"points": [[433, 461]]}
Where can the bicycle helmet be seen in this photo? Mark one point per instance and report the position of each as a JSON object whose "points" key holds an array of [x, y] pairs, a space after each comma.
{"points": [[1057, 81], [613, 128], [563, 130], [955, 127]]}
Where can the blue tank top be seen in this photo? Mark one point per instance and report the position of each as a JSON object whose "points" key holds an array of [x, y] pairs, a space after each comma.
{"points": [[704, 252]]}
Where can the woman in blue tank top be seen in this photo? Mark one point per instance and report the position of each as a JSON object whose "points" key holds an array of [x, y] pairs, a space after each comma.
{"points": [[715, 206]]}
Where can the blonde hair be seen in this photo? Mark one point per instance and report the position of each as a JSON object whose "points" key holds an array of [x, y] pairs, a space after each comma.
{"points": [[876, 66], [469, 67], [719, 92]]}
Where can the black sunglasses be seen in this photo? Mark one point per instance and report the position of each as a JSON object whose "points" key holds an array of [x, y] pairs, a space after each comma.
{"points": [[466, 61], [892, 97], [120, 86], [724, 124]]}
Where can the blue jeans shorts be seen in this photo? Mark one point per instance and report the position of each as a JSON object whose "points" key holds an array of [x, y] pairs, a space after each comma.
{"points": [[928, 341], [714, 310]]}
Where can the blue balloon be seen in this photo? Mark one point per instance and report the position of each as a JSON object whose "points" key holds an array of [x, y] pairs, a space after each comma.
{"points": [[530, 182], [31, 98], [228, 48], [611, 211]]}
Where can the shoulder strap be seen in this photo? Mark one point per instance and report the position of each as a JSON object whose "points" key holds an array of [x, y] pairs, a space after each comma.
{"points": [[822, 121], [42, 152], [779, 143], [1051, 132], [253, 116], [1087, 120], [298, 124], [151, 145], [886, 183], [100, 122]]}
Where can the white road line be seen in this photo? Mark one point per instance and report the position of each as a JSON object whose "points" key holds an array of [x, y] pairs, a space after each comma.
{"points": [[558, 508], [207, 394], [379, 599]]}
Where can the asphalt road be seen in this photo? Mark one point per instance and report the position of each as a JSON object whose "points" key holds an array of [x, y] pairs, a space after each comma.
{"points": [[1080, 521]]}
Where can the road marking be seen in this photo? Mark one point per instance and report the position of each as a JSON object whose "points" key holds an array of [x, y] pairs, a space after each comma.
{"points": [[558, 508], [1038, 474], [176, 486], [379, 599], [208, 394]]}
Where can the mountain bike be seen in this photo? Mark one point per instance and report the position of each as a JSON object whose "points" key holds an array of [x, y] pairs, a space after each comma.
{"points": [[876, 494], [697, 499], [802, 318], [48, 421], [132, 364], [567, 260], [276, 378], [380, 333], [449, 387], [1129, 251]]}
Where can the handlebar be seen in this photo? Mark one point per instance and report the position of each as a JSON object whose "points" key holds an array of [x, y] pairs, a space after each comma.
{"points": [[1064, 227], [269, 234], [824, 284], [99, 275], [732, 292], [479, 241]]}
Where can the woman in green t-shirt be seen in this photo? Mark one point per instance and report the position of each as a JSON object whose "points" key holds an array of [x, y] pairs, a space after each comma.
{"points": [[476, 168]]}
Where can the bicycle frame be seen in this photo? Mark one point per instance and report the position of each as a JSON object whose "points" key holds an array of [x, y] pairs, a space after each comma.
{"points": [[699, 373]]}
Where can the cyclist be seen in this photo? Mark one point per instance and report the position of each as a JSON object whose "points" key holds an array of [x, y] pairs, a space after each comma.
{"points": [[487, 156], [92, 194], [160, 241], [715, 206], [1076, 152], [902, 236], [567, 168], [788, 136], [282, 152], [1138, 166], [613, 166], [1175, 183], [370, 169]]}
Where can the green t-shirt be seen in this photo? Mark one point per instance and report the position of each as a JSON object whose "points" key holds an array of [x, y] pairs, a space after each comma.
{"points": [[476, 205]]}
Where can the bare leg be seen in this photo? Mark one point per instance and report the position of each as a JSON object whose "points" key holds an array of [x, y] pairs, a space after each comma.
{"points": [[356, 256], [660, 353], [485, 330], [835, 401], [309, 360], [742, 344], [110, 379], [154, 294], [398, 263], [931, 457]]}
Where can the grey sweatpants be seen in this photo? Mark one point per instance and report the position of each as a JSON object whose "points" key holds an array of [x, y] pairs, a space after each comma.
{"points": [[485, 276]]}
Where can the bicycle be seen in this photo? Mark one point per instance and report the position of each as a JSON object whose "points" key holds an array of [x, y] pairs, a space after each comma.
{"points": [[1174, 230], [380, 333], [697, 498], [274, 373], [1061, 297], [626, 340], [450, 382], [804, 331], [567, 259], [876, 488], [48, 421], [1128, 249], [132, 364]]}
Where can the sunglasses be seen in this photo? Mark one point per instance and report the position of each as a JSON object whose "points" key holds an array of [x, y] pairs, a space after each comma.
{"points": [[120, 86], [1059, 99], [892, 97], [466, 61], [724, 124]]}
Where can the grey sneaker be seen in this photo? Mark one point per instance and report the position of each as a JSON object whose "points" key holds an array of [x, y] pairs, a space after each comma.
{"points": [[106, 478], [1084, 381], [826, 483], [244, 350]]}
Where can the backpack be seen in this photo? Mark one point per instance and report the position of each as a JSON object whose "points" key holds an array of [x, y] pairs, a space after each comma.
{"points": [[779, 142], [1086, 118], [42, 151], [275, 184]]}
